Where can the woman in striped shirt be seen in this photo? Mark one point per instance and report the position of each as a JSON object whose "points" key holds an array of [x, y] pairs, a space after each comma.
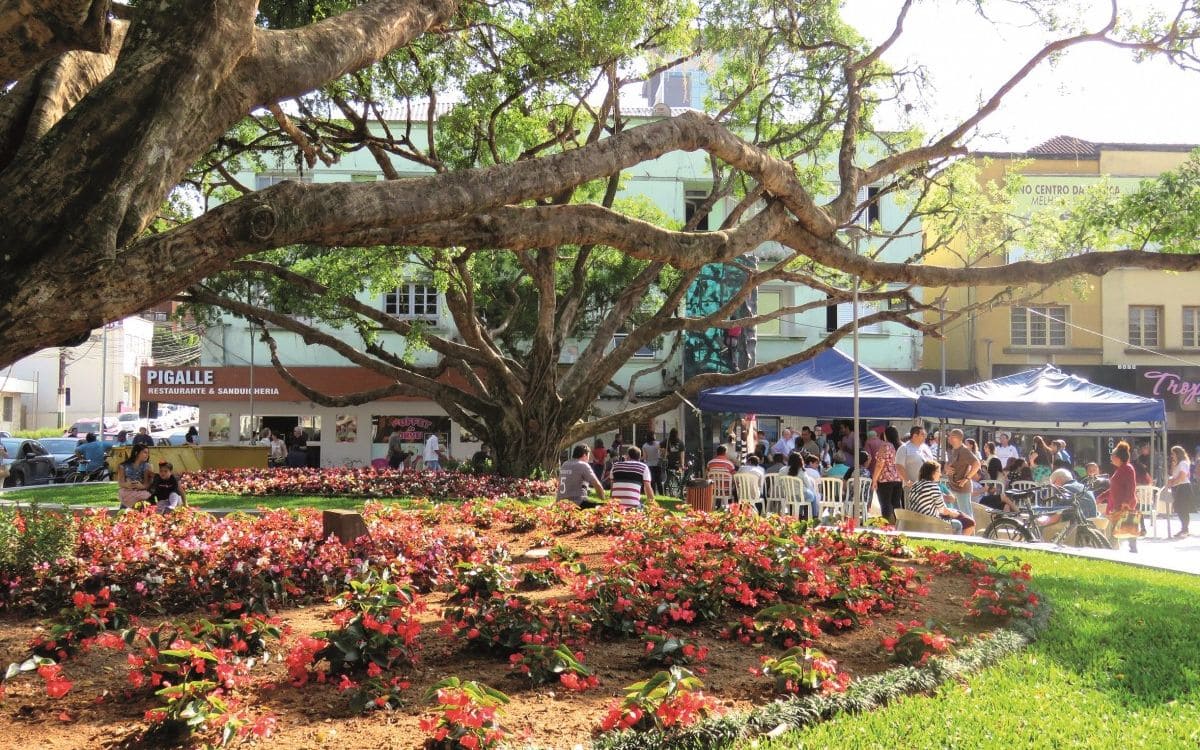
{"points": [[926, 497]]}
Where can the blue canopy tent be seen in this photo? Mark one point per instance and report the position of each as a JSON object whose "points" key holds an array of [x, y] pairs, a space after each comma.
{"points": [[819, 387], [1050, 399], [1045, 398]]}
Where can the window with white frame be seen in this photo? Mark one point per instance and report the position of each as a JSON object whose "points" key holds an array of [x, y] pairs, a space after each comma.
{"points": [[267, 179], [1191, 327], [649, 351], [769, 301], [412, 301], [843, 313], [1039, 325], [1145, 325]]}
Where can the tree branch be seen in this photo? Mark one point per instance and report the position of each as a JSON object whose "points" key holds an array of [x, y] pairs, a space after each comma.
{"points": [[293, 62]]}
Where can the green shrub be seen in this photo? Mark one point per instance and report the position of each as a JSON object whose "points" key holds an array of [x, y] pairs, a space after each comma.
{"points": [[30, 536], [37, 434]]}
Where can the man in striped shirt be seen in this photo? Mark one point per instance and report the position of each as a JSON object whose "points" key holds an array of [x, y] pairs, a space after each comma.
{"points": [[630, 479]]}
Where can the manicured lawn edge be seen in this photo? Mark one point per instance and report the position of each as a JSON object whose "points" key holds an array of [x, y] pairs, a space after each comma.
{"points": [[867, 694]]}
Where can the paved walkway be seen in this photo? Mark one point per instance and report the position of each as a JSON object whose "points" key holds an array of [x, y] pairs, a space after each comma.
{"points": [[1158, 551]]}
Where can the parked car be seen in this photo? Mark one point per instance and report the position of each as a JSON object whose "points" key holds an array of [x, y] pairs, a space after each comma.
{"points": [[28, 462], [61, 450], [131, 421], [84, 426], [161, 423]]}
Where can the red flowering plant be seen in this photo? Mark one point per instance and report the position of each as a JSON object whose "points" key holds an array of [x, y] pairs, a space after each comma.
{"points": [[802, 670], [916, 643], [463, 716], [543, 664], [670, 699], [302, 661], [376, 624], [784, 624], [189, 560], [379, 691], [664, 648], [87, 616], [1002, 593]]}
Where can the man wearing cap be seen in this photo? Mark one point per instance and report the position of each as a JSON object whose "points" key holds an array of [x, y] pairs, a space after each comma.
{"points": [[1004, 451]]}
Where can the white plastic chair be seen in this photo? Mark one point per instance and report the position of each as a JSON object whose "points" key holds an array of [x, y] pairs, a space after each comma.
{"points": [[1147, 504], [791, 490], [831, 496], [992, 487], [722, 487], [859, 498], [748, 487], [771, 493]]}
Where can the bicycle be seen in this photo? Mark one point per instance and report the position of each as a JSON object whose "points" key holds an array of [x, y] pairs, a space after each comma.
{"points": [[1026, 523], [77, 475]]}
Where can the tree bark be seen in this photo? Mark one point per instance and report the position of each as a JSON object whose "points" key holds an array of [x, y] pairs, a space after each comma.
{"points": [[34, 31]]}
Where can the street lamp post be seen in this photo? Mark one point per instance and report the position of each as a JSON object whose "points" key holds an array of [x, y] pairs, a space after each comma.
{"points": [[855, 237]]}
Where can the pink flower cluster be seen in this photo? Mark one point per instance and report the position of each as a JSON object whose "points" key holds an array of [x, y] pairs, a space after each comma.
{"points": [[368, 482]]}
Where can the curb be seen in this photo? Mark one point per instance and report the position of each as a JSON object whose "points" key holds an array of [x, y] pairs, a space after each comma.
{"points": [[867, 694]]}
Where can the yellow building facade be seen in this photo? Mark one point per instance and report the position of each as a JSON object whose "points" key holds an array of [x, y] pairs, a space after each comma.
{"points": [[1093, 327]]}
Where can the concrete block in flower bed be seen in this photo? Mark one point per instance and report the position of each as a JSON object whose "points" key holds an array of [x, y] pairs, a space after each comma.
{"points": [[346, 525]]}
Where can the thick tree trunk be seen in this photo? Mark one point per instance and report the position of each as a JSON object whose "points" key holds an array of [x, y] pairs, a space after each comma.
{"points": [[527, 454]]}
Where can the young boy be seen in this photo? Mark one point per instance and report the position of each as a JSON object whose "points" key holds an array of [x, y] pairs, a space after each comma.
{"points": [[166, 488]]}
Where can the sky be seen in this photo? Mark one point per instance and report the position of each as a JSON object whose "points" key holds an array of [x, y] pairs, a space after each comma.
{"points": [[1094, 92]]}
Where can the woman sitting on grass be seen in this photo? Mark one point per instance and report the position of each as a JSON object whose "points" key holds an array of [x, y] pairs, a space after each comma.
{"points": [[133, 477], [926, 497]]}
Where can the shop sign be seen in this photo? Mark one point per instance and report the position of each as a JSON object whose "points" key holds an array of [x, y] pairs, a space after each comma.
{"points": [[412, 429], [1164, 383], [164, 383]]}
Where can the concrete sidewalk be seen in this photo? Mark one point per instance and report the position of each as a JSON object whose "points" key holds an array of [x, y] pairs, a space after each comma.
{"points": [[1179, 555]]}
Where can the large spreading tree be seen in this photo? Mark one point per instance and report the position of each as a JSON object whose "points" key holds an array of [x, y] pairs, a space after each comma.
{"points": [[116, 120]]}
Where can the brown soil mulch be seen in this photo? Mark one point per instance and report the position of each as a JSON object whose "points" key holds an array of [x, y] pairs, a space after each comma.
{"points": [[98, 713]]}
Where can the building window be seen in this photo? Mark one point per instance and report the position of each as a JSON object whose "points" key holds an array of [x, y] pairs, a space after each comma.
{"points": [[1039, 326], [693, 200], [649, 351], [413, 301], [1145, 325], [842, 314], [8, 409], [1191, 327], [869, 214], [769, 302], [262, 181]]}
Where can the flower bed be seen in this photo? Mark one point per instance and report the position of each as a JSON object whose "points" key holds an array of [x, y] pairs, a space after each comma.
{"points": [[368, 482], [438, 629]]}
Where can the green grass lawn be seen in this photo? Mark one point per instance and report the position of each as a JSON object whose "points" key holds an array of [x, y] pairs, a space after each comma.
{"points": [[1118, 667], [106, 494]]}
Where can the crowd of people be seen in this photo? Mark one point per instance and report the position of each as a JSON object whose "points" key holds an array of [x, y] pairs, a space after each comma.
{"points": [[918, 474]]}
